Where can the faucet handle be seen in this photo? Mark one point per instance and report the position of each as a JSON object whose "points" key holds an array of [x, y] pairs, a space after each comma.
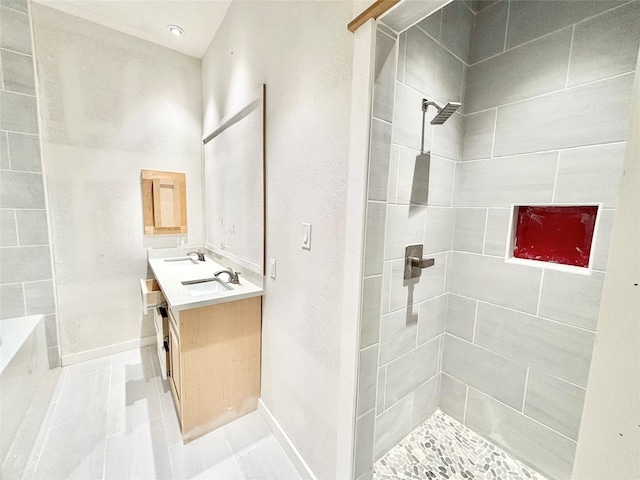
{"points": [[234, 276]]}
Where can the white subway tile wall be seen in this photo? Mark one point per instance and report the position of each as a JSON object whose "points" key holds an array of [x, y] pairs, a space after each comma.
{"points": [[26, 277], [546, 89]]}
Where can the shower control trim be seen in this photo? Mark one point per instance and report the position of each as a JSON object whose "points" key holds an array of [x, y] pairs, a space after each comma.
{"points": [[414, 262]]}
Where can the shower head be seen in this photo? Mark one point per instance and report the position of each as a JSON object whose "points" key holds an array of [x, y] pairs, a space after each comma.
{"points": [[443, 112]]}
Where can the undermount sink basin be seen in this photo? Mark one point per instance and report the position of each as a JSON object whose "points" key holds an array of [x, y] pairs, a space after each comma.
{"points": [[205, 286], [177, 261]]}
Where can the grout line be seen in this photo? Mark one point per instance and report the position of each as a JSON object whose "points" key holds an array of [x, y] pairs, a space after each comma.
{"points": [[555, 178], [22, 133], [540, 292], [15, 220], [444, 277], [453, 335], [436, 338], [5, 49], [395, 200], [365, 277], [484, 236], [14, 10], [21, 94], [454, 184], [6, 134], [382, 120], [19, 171], [524, 313], [573, 25], [506, 33], [416, 150], [25, 246], [464, 64], [390, 288], [419, 303], [404, 61], [573, 34], [520, 413], [495, 131], [431, 97], [554, 92], [475, 323], [385, 33], [24, 299], [28, 282], [384, 392], [442, 252], [23, 209], [466, 398], [16, 52], [526, 384]]}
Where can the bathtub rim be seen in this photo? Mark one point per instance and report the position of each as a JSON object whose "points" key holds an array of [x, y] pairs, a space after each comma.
{"points": [[13, 333]]}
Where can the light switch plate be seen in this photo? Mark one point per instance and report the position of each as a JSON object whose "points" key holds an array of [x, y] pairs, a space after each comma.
{"points": [[272, 268], [306, 236]]}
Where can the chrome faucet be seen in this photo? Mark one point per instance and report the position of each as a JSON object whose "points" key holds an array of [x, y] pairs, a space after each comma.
{"points": [[200, 255], [233, 276]]}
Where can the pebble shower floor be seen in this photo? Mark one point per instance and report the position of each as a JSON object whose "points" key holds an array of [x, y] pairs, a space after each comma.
{"points": [[443, 448]]}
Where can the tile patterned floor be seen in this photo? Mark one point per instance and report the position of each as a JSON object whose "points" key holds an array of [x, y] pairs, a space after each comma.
{"points": [[444, 449], [113, 418]]}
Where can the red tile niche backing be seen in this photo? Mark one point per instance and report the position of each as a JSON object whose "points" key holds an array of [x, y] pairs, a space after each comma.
{"points": [[555, 234]]}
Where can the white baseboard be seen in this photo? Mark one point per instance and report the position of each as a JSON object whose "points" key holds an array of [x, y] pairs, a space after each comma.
{"points": [[287, 445], [104, 351]]}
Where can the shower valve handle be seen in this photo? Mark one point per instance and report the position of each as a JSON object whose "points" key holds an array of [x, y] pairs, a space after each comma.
{"points": [[422, 262], [415, 262]]}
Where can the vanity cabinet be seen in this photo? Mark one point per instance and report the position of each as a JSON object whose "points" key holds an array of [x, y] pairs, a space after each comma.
{"points": [[214, 359], [174, 366]]}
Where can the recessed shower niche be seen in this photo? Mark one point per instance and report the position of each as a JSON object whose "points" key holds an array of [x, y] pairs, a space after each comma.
{"points": [[498, 335], [553, 236]]}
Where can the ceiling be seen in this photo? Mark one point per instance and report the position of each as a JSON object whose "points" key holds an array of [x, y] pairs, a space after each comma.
{"points": [[148, 19]]}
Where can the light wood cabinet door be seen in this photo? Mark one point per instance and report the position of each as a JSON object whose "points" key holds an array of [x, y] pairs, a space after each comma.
{"points": [[164, 201]]}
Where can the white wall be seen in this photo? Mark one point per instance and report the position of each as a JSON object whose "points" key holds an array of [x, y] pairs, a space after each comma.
{"points": [[609, 442], [302, 51], [110, 105]]}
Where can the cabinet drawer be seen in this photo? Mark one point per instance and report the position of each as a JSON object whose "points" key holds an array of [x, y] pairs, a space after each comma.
{"points": [[151, 295]]}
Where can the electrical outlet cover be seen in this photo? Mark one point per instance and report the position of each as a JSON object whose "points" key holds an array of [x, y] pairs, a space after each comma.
{"points": [[272, 268]]}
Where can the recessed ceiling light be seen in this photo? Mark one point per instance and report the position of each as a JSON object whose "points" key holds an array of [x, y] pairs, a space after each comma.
{"points": [[175, 30]]}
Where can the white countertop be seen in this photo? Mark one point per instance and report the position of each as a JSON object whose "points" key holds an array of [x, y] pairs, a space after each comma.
{"points": [[170, 277]]}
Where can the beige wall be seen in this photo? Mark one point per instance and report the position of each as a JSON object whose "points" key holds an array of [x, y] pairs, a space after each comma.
{"points": [[302, 51], [110, 105]]}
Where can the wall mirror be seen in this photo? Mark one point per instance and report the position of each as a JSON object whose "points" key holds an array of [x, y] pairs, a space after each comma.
{"points": [[233, 176]]}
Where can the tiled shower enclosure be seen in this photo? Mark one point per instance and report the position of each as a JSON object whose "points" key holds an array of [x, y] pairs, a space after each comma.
{"points": [[26, 275], [505, 349]]}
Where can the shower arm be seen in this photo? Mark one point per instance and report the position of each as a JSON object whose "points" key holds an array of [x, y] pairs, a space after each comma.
{"points": [[425, 105]]}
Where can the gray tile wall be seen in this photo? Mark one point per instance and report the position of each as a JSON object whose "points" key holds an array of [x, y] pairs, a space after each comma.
{"points": [[26, 276], [410, 201], [505, 349], [546, 118]]}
